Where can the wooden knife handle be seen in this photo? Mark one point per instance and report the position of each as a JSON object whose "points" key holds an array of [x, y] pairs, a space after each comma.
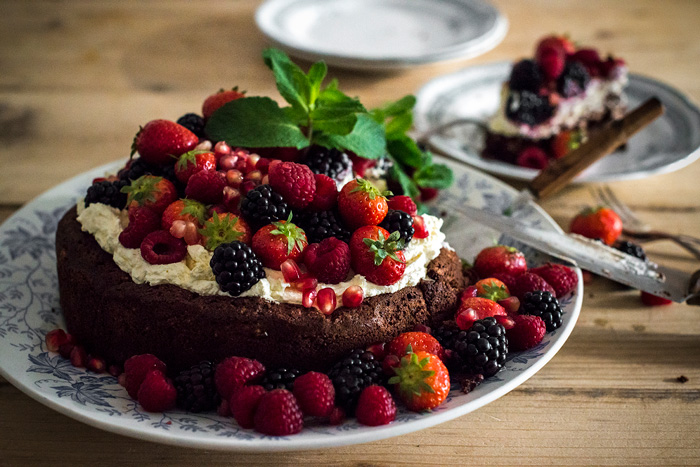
{"points": [[562, 171]]}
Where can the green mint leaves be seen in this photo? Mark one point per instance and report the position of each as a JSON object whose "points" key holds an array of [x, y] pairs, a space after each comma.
{"points": [[315, 115]]}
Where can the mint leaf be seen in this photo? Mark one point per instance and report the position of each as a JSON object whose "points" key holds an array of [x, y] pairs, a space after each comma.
{"points": [[399, 125], [317, 73], [292, 82], [335, 112], [407, 184], [434, 176], [404, 150], [403, 105], [255, 122], [366, 139]]}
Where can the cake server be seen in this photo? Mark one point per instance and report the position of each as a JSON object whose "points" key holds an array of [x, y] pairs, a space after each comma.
{"points": [[596, 257]]}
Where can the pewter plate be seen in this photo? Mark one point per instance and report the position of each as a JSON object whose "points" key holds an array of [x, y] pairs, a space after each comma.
{"points": [[668, 144], [381, 34]]}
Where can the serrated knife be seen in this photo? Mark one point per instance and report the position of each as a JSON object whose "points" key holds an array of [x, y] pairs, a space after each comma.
{"points": [[596, 257]]}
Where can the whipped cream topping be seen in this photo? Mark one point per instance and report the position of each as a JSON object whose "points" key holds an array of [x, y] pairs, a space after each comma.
{"points": [[569, 112], [193, 273]]}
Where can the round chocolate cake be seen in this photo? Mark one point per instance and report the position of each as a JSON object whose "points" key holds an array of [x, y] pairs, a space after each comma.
{"points": [[115, 318]]}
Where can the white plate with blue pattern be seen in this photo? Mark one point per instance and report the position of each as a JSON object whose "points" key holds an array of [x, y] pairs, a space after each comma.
{"points": [[670, 143], [29, 308]]}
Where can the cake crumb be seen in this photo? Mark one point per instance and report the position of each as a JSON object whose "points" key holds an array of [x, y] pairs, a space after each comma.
{"points": [[469, 383], [682, 379]]}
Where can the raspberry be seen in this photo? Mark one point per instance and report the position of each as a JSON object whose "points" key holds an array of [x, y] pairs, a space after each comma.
{"points": [[532, 157], [507, 279], [376, 406], [142, 221], [315, 394], [403, 203], [329, 260], [551, 59], [157, 393], [243, 404], [529, 282], [337, 416], [295, 182], [326, 194], [159, 247], [278, 414], [235, 372], [529, 330], [206, 186], [563, 279], [590, 59], [136, 368]]}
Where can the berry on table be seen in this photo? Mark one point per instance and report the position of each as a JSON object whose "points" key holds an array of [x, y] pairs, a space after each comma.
{"points": [[315, 394], [196, 388], [278, 414], [472, 309], [236, 267], [403, 203], [157, 393], [654, 300], [631, 249], [192, 162], [492, 288], [142, 221], [236, 372], [375, 407], [328, 261], [545, 305], [330, 162], [483, 348], [326, 194], [422, 381], [150, 191], [597, 223]]}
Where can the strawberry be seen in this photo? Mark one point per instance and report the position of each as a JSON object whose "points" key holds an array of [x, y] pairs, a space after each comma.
{"points": [[562, 43], [142, 221], [562, 278], [654, 300], [529, 282], [216, 100], [157, 393], [224, 228], [326, 194], [375, 407], [413, 342], [278, 414], [474, 308], [315, 394], [500, 259], [597, 223], [160, 140], [527, 332], [236, 372], [551, 59], [277, 242], [377, 255], [565, 142], [360, 203], [192, 162], [137, 368], [492, 288], [243, 404], [422, 381], [206, 186], [403, 203], [187, 210], [590, 59], [329, 260], [156, 193]]}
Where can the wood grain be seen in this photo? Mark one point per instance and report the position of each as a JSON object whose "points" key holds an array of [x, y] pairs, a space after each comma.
{"points": [[77, 80]]}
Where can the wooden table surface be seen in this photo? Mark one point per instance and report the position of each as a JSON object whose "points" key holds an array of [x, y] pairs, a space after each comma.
{"points": [[79, 77]]}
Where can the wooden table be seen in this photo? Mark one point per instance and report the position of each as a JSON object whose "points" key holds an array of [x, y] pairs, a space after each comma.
{"points": [[79, 77]]}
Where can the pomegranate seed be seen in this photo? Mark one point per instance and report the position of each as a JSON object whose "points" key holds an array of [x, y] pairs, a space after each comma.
{"points": [[263, 164], [353, 296], [511, 304], [253, 161], [234, 177], [222, 149], [308, 298], [420, 231], [290, 271], [389, 363], [232, 197], [304, 283], [465, 318], [337, 416], [255, 175], [422, 328], [469, 292], [78, 357], [506, 321], [247, 186], [65, 349], [242, 165], [326, 300], [177, 230], [191, 236], [121, 379], [265, 180], [115, 370], [54, 339], [96, 365], [204, 145], [228, 162], [378, 349]]}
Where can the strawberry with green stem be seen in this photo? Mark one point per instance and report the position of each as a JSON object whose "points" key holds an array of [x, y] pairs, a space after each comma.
{"points": [[277, 242], [224, 228], [159, 141], [156, 193], [422, 381], [360, 203], [192, 162], [377, 255]]}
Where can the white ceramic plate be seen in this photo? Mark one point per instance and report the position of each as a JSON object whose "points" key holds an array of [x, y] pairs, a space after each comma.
{"points": [[382, 34], [670, 143], [29, 308]]}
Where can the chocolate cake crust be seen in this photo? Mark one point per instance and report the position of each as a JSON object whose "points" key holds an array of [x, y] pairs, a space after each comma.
{"points": [[115, 318]]}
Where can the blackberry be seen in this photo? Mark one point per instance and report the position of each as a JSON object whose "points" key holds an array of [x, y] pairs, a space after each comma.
{"points": [[631, 249], [528, 107], [483, 348], [236, 267], [401, 221], [332, 162], [137, 168], [322, 224], [108, 193], [525, 76], [573, 80], [196, 390], [263, 205], [352, 374], [544, 305], [281, 378], [194, 123]]}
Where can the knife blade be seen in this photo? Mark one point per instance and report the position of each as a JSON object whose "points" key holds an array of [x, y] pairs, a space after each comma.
{"points": [[596, 257]]}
